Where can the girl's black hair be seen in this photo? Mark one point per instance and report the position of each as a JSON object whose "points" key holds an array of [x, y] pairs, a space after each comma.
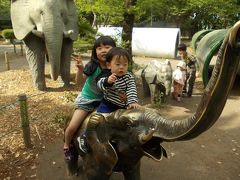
{"points": [[119, 52], [104, 40], [92, 65]]}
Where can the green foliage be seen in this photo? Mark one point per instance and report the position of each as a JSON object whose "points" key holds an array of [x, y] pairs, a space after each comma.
{"points": [[160, 100], [107, 12], [8, 34], [5, 8], [83, 44]]}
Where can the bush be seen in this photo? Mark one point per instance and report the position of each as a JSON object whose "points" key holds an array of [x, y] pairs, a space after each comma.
{"points": [[8, 34], [83, 45]]}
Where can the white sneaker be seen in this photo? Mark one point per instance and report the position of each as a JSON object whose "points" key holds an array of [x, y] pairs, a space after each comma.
{"points": [[82, 144]]}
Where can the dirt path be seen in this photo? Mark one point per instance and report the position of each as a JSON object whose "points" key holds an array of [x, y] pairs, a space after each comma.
{"points": [[214, 155]]}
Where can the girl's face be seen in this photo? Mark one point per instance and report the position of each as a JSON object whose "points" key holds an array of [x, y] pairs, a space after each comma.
{"points": [[101, 52], [118, 65]]}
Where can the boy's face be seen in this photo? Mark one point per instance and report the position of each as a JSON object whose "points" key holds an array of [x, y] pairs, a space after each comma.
{"points": [[118, 65], [181, 52]]}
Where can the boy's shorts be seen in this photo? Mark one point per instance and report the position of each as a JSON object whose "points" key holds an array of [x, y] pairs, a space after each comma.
{"points": [[86, 104]]}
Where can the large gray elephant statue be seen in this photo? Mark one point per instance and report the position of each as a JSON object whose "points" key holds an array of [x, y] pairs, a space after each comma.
{"points": [[157, 80], [117, 141], [48, 29]]}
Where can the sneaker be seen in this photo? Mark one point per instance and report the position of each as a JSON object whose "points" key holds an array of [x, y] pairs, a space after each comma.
{"points": [[67, 154], [82, 143]]}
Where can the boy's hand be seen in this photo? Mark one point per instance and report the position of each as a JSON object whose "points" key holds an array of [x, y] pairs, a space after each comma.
{"points": [[133, 106], [78, 61], [112, 78]]}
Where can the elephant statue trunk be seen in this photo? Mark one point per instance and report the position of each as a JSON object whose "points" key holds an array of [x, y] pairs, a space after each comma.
{"points": [[53, 44], [117, 141], [48, 29]]}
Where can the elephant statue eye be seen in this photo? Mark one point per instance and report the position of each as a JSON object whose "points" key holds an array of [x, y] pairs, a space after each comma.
{"points": [[129, 125]]}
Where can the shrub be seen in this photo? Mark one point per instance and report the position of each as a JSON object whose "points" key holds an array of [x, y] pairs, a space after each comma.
{"points": [[8, 34]]}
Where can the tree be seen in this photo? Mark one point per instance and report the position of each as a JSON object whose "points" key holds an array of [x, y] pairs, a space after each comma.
{"points": [[128, 23], [5, 8]]}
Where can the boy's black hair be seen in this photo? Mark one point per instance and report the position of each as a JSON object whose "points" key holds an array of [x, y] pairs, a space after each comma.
{"points": [[92, 65], [104, 40], [182, 47], [119, 52]]}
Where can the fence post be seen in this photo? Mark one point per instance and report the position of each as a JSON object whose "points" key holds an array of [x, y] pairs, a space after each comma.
{"points": [[6, 60], [22, 98]]}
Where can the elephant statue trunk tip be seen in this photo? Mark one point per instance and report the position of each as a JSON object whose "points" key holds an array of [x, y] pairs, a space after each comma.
{"points": [[48, 29], [117, 141]]}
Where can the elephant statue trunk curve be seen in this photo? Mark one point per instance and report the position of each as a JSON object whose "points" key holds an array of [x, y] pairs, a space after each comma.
{"points": [[48, 29], [117, 141]]}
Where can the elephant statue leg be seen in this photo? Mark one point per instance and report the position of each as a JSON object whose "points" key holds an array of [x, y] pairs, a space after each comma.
{"points": [[35, 54], [72, 166], [66, 61], [152, 88], [145, 86], [132, 173]]}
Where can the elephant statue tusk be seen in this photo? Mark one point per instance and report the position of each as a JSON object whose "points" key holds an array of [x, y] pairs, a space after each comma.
{"points": [[143, 138], [38, 33], [67, 34]]}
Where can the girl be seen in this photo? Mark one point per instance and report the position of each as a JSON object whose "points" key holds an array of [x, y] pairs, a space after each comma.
{"points": [[90, 96], [179, 78]]}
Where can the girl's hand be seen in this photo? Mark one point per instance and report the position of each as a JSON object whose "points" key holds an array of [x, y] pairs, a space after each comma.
{"points": [[133, 106], [78, 61], [112, 78]]}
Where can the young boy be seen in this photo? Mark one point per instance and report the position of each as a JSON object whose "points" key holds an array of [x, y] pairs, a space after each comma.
{"points": [[117, 84], [190, 61]]}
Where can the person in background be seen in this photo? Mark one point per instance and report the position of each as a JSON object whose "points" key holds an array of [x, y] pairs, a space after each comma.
{"points": [[190, 61], [179, 78], [90, 96], [116, 82]]}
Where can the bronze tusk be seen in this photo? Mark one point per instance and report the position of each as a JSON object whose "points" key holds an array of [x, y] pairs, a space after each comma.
{"points": [[233, 34], [146, 137]]}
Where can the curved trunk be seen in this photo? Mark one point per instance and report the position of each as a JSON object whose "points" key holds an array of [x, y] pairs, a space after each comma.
{"points": [[53, 33], [214, 96]]}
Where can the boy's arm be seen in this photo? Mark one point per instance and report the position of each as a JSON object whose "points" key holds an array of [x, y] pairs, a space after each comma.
{"points": [[131, 91]]}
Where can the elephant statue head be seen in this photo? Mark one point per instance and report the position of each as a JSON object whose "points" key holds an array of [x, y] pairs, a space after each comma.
{"points": [[157, 80], [118, 140], [48, 29]]}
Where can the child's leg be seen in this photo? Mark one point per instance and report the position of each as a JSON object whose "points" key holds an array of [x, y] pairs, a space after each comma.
{"points": [[78, 116]]}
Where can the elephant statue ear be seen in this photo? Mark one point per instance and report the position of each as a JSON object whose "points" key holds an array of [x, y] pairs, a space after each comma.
{"points": [[21, 21], [72, 19], [103, 152]]}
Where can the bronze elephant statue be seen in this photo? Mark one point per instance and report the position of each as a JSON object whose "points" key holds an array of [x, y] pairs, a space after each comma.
{"points": [[117, 141]]}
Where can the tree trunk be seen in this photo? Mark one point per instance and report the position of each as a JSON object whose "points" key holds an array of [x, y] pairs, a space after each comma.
{"points": [[128, 25]]}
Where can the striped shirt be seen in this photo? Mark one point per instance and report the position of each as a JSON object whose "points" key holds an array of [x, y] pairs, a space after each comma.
{"points": [[123, 85]]}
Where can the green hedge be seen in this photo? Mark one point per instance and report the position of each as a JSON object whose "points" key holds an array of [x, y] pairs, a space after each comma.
{"points": [[8, 34]]}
